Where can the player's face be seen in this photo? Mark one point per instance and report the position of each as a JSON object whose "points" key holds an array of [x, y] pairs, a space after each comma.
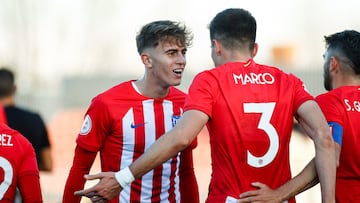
{"points": [[168, 63], [327, 76]]}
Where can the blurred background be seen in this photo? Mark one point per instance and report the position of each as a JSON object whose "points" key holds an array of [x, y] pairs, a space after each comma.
{"points": [[64, 52]]}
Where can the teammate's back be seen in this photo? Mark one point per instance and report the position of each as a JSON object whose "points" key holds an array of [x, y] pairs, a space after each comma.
{"points": [[18, 167]]}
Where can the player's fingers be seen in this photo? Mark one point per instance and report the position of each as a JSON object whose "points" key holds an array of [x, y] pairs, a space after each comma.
{"points": [[87, 192], [94, 176], [248, 194], [244, 200], [100, 201], [97, 199], [258, 185]]}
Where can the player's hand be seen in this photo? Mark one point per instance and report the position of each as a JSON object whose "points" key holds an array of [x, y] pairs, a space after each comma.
{"points": [[106, 189], [263, 194]]}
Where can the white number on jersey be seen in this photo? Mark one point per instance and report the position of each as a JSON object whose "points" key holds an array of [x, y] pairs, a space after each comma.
{"points": [[8, 176], [266, 110]]}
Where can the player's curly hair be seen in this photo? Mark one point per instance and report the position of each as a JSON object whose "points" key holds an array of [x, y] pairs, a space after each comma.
{"points": [[348, 44], [151, 33]]}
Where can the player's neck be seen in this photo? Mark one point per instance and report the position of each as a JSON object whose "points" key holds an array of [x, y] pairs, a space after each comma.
{"points": [[7, 101], [347, 80], [151, 90]]}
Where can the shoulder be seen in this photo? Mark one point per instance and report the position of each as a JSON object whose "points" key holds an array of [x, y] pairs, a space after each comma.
{"points": [[21, 112], [15, 136], [118, 90]]}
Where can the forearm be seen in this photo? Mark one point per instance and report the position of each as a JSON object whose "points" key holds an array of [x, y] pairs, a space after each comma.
{"points": [[81, 165], [306, 179], [168, 145], [326, 169], [313, 122], [46, 160], [162, 150]]}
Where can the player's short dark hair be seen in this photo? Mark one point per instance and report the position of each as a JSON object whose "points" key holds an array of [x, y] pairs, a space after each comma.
{"points": [[348, 44], [7, 82], [234, 27], [151, 33]]}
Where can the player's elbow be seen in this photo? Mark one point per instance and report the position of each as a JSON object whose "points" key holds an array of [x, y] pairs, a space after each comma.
{"points": [[326, 140], [181, 142]]}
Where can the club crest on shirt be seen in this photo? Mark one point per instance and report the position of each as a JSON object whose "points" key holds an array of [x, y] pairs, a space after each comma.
{"points": [[174, 119], [86, 126]]}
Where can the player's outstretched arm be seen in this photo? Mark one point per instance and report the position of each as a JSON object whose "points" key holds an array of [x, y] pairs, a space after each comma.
{"points": [[306, 179], [167, 146]]}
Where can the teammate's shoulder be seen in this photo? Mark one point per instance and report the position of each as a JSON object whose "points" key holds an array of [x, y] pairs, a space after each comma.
{"points": [[7, 130], [119, 89]]}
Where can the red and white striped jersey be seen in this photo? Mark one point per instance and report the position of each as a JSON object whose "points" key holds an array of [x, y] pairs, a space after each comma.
{"points": [[122, 124], [251, 109], [18, 167]]}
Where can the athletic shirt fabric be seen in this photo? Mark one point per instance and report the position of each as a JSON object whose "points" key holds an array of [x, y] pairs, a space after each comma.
{"points": [[122, 124], [2, 115], [251, 109], [342, 105], [30, 125], [18, 168]]}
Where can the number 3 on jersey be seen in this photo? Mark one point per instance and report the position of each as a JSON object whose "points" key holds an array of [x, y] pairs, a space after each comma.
{"points": [[8, 175], [266, 110]]}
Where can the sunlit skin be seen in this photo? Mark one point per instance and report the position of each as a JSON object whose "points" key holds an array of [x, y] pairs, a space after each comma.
{"points": [[327, 78], [164, 66]]}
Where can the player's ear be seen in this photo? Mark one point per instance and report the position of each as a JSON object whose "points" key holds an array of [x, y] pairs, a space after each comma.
{"points": [[217, 46], [13, 89], [146, 59], [334, 64], [255, 50]]}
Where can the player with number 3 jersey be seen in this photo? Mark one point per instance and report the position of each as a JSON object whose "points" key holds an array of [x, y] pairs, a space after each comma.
{"points": [[251, 140]]}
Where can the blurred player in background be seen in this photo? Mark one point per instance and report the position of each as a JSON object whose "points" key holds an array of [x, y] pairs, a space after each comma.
{"points": [[28, 123], [18, 168]]}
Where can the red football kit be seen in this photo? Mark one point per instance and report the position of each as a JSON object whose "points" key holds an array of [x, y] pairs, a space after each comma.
{"points": [[18, 167], [121, 124], [342, 106], [251, 109]]}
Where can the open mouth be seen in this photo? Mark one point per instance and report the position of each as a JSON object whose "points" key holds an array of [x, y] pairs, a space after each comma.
{"points": [[178, 71]]}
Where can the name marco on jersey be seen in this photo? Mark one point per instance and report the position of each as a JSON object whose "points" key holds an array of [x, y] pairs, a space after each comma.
{"points": [[6, 140], [254, 78]]}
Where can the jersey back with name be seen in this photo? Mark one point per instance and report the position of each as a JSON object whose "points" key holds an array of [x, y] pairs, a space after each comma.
{"points": [[251, 109]]}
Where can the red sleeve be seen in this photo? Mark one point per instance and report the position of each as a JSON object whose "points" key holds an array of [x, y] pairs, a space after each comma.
{"points": [[301, 94], [82, 163], [329, 105], [201, 93], [189, 190], [29, 179], [96, 125], [30, 189]]}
